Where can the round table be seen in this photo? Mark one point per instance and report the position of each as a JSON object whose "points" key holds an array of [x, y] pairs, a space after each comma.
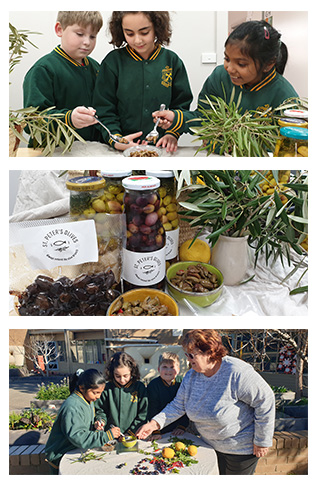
{"points": [[206, 456]]}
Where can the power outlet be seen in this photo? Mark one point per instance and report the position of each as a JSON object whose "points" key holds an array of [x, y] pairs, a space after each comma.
{"points": [[208, 58]]}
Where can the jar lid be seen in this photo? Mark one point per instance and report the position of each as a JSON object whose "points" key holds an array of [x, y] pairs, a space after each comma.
{"points": [[294, 112], [294, 133], [86, 183], [292, 122], [116, 173], [159, 173], [141, 182]]}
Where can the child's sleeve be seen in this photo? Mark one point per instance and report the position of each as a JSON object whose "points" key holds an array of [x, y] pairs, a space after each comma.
{"points": [[38, 91], [105, 102], [181, 98], [141, 416], [153, 400], [100, 407], [73, 426], [184, 118]]}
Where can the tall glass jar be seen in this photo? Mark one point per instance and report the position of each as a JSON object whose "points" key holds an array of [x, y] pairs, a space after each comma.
{"points": [[144, 254], [293, 142], [168, 212], [87, 201], [114, 191]]}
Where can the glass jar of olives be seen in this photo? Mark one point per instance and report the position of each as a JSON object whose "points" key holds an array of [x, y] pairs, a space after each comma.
{"points": [[293, 142], [88, 201], [168, 211], [144, 254], [114, 192]]}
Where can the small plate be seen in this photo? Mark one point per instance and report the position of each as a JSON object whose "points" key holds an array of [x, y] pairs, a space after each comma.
{"points": [[142, 148]]}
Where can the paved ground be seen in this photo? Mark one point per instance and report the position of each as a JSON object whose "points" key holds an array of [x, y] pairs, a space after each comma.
{"points": [[22, 390]]}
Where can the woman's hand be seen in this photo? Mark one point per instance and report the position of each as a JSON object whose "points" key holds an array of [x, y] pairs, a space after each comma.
{"points": [[260, 451], [83, 117], [166, 118], [131, 143], [146, 430], [168, 141]]}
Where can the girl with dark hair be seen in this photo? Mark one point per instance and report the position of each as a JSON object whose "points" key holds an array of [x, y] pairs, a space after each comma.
{"points": [[232, 407], [74, 424], [255, 58], [124, 401], [139, 76]]}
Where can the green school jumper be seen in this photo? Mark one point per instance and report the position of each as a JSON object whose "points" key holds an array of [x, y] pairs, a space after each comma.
{"points": [[74, 428], [270, 92], [160, 393], [125, 407], [58, 80], [129, 88]]}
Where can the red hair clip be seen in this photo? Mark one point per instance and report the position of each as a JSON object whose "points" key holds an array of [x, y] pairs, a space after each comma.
{"points": [[266, 33]]}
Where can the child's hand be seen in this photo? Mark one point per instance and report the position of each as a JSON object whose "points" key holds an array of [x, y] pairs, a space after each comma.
{"points": [[155, 437], [99, 425], [131, 143], [178, 432], [83, 117], [115, 431], [168, 141], [166, 118]]}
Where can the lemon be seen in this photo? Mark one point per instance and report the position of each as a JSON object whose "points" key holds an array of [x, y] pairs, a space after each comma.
{"points": [[179, 446], [199, 251], [168, 453], [192, 450]]}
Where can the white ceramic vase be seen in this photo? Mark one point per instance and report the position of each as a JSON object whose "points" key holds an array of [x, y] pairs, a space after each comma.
{"points": [[230, 256]]}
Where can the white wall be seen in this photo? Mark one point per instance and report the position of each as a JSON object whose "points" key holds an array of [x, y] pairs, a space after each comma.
{"points": [[293, 27]]}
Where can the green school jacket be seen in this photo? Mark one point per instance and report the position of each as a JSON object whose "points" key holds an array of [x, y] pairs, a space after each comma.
{"points": [[125, 407], [159, 395], [270, 92], [74, 428], [129, 88], [58, 80]]}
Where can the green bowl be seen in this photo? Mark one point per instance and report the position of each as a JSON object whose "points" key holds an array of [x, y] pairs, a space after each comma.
{"points": [[129, 441], [200, 299]]}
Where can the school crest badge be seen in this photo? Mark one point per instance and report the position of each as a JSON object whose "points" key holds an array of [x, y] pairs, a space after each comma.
{"points": [[134, 396], [166, 79]]}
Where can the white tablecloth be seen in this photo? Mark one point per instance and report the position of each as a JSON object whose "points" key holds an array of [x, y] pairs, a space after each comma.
{"points": [[96, 149], [206, 456]]}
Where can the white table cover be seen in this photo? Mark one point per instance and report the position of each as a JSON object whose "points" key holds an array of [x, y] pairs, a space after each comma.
{"points": [[206, 456]]}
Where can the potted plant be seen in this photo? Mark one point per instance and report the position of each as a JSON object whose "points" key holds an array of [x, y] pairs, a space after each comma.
{"points": [[47, 129], [235, 205]]}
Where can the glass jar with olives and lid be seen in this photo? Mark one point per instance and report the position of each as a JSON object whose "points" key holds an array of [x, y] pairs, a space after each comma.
{"points": [[86, 196], [144, 254], [114, 191], [88, 201], [168, 211], [293, 142]]}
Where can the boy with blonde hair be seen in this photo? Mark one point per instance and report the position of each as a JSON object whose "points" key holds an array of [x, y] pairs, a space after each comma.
{"points": [[162, 390], [65, 78]]}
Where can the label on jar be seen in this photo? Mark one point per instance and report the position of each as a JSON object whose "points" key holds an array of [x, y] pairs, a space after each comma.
{"points": [[172, 243], [144, 268]]}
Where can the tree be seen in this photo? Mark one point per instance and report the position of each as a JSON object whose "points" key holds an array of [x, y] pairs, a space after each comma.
{"points": [[42, 346]]}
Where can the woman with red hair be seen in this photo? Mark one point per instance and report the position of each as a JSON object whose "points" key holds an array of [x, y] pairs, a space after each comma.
{"points": [[230, 404]]}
